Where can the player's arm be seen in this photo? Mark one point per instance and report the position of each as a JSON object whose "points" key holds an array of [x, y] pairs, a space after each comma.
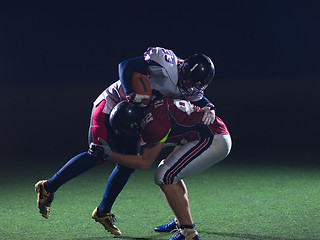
{"points": [[126, 70], [144, 161]]}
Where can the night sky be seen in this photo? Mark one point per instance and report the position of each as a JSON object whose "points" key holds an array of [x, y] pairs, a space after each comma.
{"points": [[48, 42], [265, 52]]}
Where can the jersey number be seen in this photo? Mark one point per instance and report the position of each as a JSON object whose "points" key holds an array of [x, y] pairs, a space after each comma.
{"points": [[168, 56], [146, 119]]}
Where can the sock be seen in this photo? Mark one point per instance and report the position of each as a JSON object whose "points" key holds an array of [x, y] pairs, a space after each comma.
{"points": [[74, 167], [187, 226], [115, 184]]}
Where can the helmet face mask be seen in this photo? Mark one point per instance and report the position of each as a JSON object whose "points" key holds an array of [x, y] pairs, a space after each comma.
{"points": [[187, 88], [195, 74]]}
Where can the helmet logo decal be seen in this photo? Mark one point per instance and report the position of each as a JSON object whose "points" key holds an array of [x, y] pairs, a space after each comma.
{"points": [[196, 65]]}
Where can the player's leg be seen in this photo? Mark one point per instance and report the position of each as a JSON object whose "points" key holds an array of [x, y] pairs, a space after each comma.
{"points": [[177, 198], [116, 182], [193, 158], [100, 127], [173, 225], [121, 174], [174, 188], [180, 164], [45, 189], [74, 167]]}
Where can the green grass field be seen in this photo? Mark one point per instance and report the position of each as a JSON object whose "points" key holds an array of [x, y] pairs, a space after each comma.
{"points": [[236, 199]]}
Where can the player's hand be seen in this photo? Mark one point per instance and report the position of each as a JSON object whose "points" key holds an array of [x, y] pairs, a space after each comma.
{"points": [[102, 151], [209, 114], [106, 149]]}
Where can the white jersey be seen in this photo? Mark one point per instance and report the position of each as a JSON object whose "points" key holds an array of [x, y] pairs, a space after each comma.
{"points": [[113, 95], [164, 78]]}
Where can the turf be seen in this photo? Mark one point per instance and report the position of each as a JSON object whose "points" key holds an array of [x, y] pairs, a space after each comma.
{"points": [[263, 198]]}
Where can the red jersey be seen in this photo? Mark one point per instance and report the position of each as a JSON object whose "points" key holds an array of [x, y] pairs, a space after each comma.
{"points": [[174, 120]]}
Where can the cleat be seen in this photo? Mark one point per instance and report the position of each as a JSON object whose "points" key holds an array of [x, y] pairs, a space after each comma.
{"points": [[44, 199], [186, 234], [167, 227], [107, 221]]}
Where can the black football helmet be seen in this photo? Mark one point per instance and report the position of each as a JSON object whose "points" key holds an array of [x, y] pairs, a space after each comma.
{"points": [[195, 74], [125, 119]]}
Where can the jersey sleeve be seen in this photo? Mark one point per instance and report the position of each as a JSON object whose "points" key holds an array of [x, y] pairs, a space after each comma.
{"points": [[164, 58], [127, 68], [156, 124]]}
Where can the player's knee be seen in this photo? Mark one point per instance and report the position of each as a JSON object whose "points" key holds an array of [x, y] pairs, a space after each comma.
{"points": [[164, 176], [158, 181], [158, 176], [164, 180]]}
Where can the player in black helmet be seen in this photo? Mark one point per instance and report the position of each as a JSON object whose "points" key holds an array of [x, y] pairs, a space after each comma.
{"points": [[200, 146], [195, 74]]}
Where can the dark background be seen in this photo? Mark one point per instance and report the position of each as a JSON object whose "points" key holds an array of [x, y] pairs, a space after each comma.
{"points": [[57, 56]]}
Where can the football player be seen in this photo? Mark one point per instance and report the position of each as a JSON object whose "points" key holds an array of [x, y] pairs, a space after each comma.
{"points": [[177, 121], [168, 76]]}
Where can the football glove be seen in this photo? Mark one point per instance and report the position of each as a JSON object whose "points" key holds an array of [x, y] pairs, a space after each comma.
{"points": [[209, 114], [100, 151]]}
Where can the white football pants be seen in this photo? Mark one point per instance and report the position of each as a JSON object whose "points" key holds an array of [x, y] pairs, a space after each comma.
{"points": [[192, 158]]}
